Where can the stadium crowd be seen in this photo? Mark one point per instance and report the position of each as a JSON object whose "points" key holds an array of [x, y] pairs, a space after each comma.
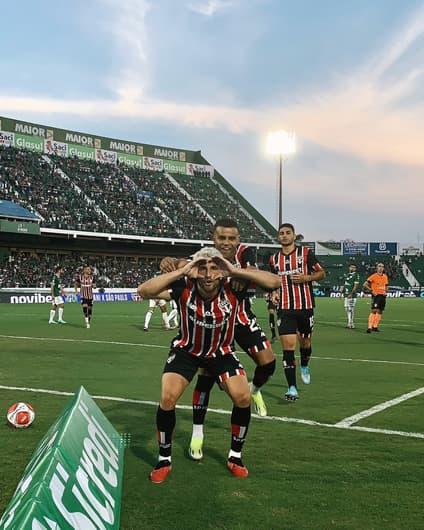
{"points": [[85, 195], [31, 268]]}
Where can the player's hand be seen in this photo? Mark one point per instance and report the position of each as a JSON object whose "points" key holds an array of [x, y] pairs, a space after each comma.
{"points": [[168, 265], [238, 285], [298, 277]]}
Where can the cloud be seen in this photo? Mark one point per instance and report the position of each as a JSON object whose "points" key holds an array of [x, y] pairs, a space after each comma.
{"points": [[360, 115], [210, 7]]}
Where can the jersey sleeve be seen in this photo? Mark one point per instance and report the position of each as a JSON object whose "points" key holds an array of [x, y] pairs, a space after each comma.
{"points": [[248, 258]]}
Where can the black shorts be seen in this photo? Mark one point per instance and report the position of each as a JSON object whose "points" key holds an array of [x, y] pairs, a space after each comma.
{"points": [[87, 301], [292, 321], [250, 337], [220, 368], [378, 302]]}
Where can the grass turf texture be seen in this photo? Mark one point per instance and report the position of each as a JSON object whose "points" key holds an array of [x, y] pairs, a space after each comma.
{"points": [[301, 474]]}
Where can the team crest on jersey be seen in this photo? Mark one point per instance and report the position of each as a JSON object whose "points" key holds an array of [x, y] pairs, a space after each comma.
{"points": [[225, 305], [300, 260]]}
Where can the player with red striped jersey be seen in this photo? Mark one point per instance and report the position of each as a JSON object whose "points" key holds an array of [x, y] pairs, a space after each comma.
{"points": [[209, 308], [84, 285], [297, 267], [248, 334]]}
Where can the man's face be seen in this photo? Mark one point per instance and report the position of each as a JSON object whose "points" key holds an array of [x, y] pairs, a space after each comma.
{"points": [[226, 240], [380, 268], [87, 271], [286, 236], [352, 268], [209, 276]]}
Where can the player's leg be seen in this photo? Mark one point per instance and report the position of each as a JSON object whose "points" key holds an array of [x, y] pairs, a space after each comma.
{"points": [[149, 313], [305, 327], [287, 329], [173, 314], [352, 304], [346, 308], [253, 341], [200, 402], [380, 304], [271, 319], [178, 372], [52, 314], [235, 384], [60, 313], [162, 305]]}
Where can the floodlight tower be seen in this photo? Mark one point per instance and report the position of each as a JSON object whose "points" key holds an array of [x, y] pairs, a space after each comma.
{"points": [[283, 144]]}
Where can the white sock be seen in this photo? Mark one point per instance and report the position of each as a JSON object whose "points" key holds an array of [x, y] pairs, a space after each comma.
{"points": [[60, 313], [165, 320], [147, 319], [52, 314], [234, 454], [162, 458], [197, 431]]}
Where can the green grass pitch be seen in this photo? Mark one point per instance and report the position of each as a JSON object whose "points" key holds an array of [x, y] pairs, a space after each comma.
{"points": [[310, 466]]}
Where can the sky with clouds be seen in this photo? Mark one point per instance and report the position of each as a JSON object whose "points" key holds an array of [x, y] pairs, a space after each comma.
{"points": [[218, 75]]}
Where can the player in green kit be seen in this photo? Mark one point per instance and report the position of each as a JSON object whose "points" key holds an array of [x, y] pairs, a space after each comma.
{"points": [[350, 292], [57, 292]]}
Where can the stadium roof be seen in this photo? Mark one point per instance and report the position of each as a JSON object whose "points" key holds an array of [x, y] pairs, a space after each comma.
{"points": [[11, 210]]}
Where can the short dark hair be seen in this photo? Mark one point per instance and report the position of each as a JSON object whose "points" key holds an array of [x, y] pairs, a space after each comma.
{"points": [[287, 225], [225, 222], [58, 268]]}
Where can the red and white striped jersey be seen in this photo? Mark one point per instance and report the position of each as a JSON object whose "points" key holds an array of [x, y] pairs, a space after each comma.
{"points": [[206, 327], [300, 260], [86, 285]]}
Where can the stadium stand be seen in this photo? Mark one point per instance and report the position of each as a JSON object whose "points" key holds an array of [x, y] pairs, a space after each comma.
{"points": [[34, 268], [69, 193]]}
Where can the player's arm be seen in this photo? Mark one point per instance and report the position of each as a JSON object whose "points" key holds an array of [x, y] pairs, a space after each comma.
{"points": [[76, 286], [354, 289], [367, 285], [157, 287], [314, 276], [267, 280]]}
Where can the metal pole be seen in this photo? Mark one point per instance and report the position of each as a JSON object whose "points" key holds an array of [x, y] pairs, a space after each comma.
{"points": [[280, 193]]}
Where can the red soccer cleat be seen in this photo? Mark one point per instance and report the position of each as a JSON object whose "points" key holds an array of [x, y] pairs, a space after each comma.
{"points": [[159, 475], [236, 470]]}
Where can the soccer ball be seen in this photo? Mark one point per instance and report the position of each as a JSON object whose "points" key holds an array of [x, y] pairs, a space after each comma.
{"points": [[20, 415]]}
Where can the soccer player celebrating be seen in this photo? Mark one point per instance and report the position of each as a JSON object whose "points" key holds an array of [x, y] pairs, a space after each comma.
{"points": [[297, 267], [378, 284], [350, 292], [248, 334], [86, 283], [58, 295], [208, 308]]}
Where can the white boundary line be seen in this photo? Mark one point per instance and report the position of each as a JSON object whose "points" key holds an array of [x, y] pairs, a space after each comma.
{"points": [[284, 419], [347, 422]]}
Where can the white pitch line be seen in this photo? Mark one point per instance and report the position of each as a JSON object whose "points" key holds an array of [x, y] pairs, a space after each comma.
{"points": [[284, 419], [348, 422], [349, 359], [89, 341]]}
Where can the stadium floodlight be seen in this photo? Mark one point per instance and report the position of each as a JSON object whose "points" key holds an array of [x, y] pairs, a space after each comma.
{"points": [[283, 144]]}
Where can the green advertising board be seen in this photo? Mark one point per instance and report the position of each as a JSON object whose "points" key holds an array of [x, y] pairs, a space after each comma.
{"points": [[74, 479], [130, 160], [81, 152], [32, 143], [19, 227], [175, 166]]}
